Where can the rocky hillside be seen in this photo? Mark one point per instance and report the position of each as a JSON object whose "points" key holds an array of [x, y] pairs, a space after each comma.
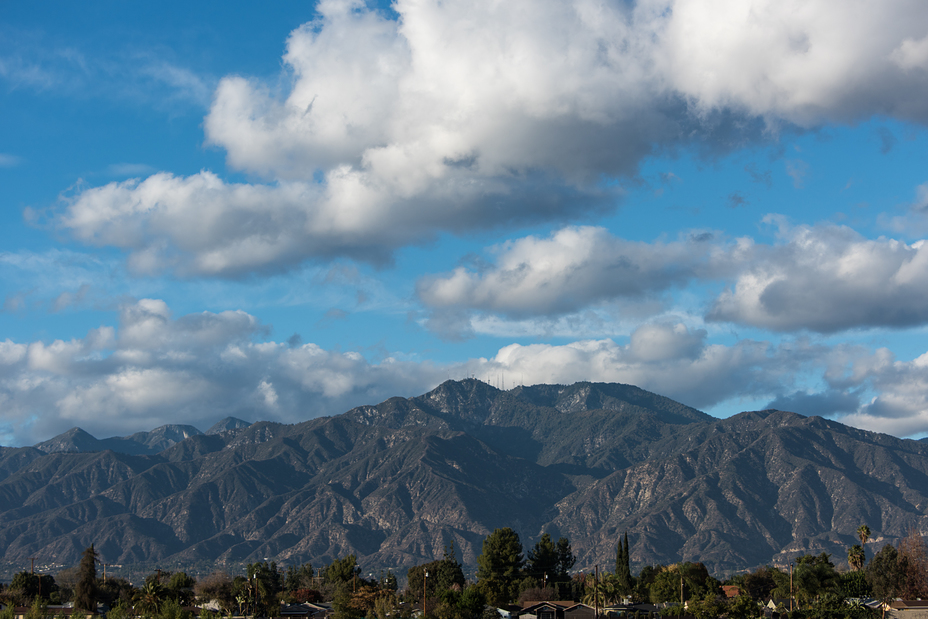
{"points": [[395, 482]]}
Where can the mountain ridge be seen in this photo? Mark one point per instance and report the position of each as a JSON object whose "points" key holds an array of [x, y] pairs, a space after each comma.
{"points": [[396, 481]]}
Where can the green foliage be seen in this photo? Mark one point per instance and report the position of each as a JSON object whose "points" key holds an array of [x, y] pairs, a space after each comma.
{"points": [[114, 591], [499, 566], [666, 587], [180, 588], [833, 606], [388, 581], [453, 604], [645, 580], [814, 576], [25, 587], [603, 592], [148, 599], [120, 610], [694, 577], [7, 613], [854, 585], [709, 607], [623, 570], [299, 577], [884, 574], [856, 557], [38, 610], [744, 607], [442, 576], [760, 583], [172, 609], [863, 533], [341, 571], [264, 584], [85, 593], [542, 561]]}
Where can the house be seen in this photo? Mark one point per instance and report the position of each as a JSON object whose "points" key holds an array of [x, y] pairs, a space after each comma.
{"points": [[20, 612], [731, 591], [544, 610], [908, 609]]}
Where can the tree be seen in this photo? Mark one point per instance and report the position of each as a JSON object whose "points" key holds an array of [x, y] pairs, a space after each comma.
{"points": [[854, 585], [217, 586], [744, 607], [856, 557], [814, 575], [760, 583], [38, 610], [603, 592], [26, 587], [180, 588], [85, 594], [863, 533], [885, 575], [148, 599], [299, 577], [623, 570], [341, 571], [499, 566], [265, 582], [443, 574], [915, 566], [565, 559], [542, 562]]}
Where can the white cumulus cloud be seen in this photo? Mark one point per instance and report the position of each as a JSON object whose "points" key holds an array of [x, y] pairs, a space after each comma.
{"points": [[462, 115]]}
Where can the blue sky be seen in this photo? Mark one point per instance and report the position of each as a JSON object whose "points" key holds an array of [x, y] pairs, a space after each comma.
{"points": [[283, 212]]}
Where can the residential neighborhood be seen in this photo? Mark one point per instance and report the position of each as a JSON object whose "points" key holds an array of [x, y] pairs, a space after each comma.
{"points": [[509, 584]]}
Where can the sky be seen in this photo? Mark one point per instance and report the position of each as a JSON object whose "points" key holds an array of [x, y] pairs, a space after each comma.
{"points": [[285, 210]]}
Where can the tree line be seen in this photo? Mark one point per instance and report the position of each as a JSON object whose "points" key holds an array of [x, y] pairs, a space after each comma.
{"points": [[810, 587]]}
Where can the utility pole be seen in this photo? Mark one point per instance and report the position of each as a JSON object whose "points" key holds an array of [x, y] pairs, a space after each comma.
{"points": [[790, 586], [596, 594], [424, 599], [32, 565], [682, 601]]}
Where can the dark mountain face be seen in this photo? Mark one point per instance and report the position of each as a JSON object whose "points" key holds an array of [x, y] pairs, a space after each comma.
{"points": [[395, 482]]}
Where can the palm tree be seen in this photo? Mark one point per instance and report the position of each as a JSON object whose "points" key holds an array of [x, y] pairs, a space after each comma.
{"points": [[148, 599], [604, 593], [856, 557], [863, 532]]}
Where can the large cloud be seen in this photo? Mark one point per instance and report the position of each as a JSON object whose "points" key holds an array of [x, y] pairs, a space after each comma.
{"points": [[462, 115], [829, 278], [576, 267], [822, 278]]}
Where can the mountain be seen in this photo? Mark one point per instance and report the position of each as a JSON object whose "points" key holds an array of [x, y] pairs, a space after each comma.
{"points": [[395, 482], [227, 425], [153, 442]]}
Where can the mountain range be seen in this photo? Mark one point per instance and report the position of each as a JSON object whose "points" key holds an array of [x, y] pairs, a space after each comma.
{"points": [[396, 482]]}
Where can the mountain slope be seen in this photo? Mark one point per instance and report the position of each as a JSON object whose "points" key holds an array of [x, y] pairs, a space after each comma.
{"points": [[395, 482]]}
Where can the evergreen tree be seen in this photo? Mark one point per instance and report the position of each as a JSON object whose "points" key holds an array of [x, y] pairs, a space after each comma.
{"points": [[443, 574], [499, 566], [565, 559], [623, 570], [85, 594], [542, 562]]}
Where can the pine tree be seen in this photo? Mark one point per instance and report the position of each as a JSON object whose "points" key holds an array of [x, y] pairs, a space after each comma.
{"points": [[85, 593]]}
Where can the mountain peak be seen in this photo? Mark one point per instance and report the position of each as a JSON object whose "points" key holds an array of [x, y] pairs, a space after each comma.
{"points": [[226, 425]]}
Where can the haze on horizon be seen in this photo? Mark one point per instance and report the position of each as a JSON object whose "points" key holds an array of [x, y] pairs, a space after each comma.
{"points": [[276, 213]]}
